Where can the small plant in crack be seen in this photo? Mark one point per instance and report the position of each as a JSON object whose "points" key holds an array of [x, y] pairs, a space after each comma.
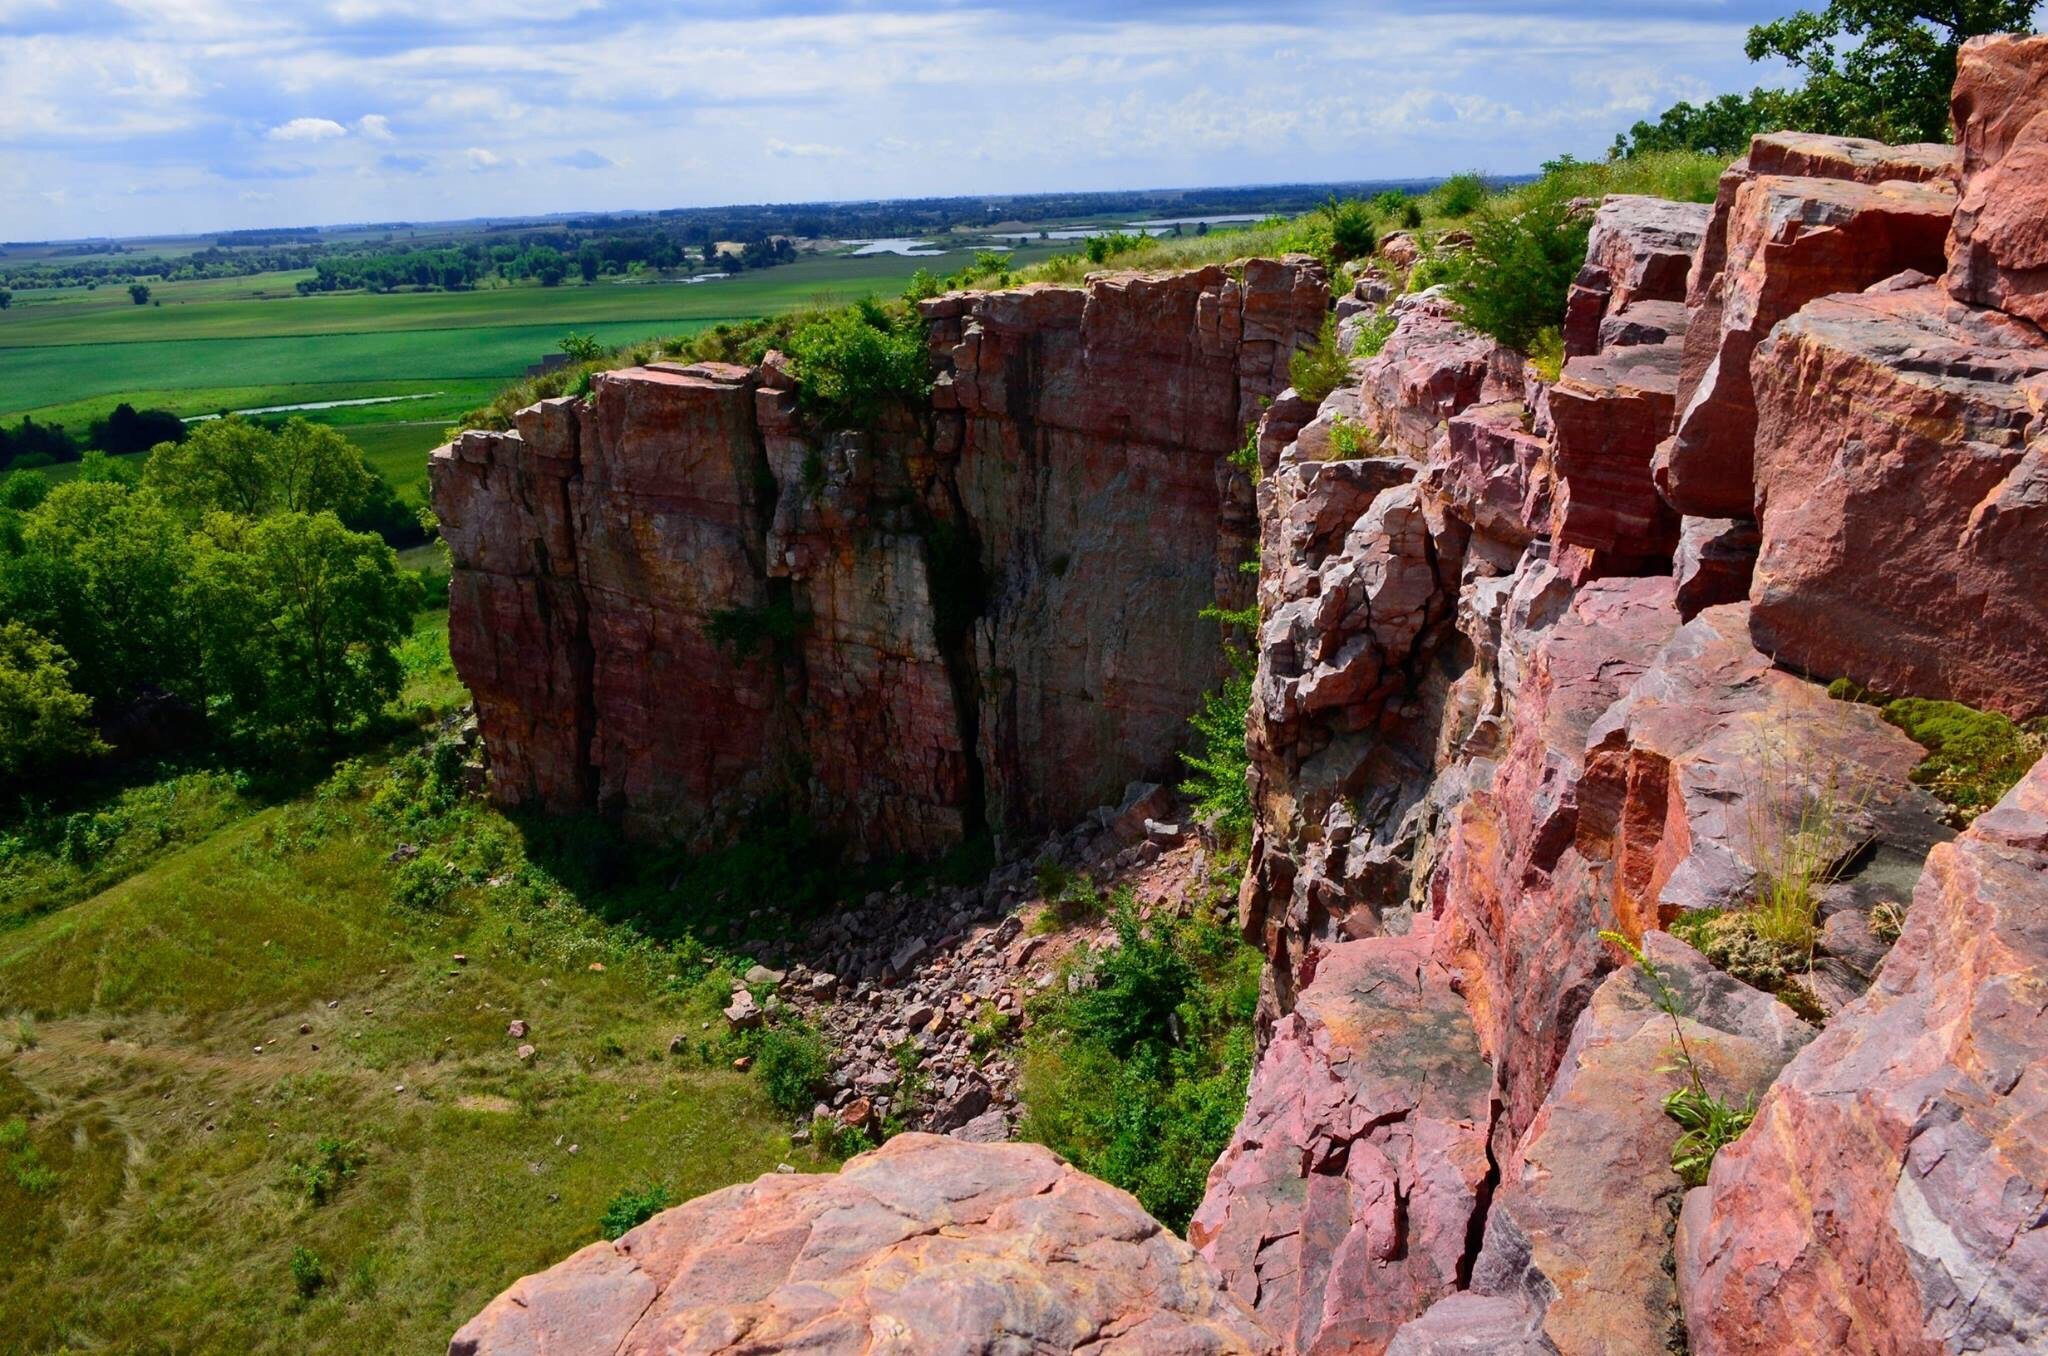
{"points": [[1706, 1122]]}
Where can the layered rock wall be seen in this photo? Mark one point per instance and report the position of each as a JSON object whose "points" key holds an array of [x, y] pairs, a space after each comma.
{"points": [[680, 600]]}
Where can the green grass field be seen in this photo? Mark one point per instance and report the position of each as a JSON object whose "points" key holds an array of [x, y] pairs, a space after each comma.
{"points": [[69, 356], [228, 983]]}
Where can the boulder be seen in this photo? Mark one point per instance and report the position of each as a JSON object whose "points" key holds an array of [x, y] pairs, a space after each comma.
{"points": [[1493, 472], [1431, 367], [1610, 411], [1902, 490], [1344, 1203], [1714, 562], [1580, 1223], [1891, 1195], [1640, 250], [926, 1244], [1998, 247], [1787, 240]]}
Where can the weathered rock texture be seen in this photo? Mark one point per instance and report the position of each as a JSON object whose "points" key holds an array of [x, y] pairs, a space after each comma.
{"points": [[680, 600], [1576, 1235], [1893, 1194], [925, 1245], [1345, 1202], [1786, 241], [1902, 483], [1998, 249]]}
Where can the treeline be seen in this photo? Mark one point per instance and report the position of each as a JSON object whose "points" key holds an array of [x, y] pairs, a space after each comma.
{"points": [[212, 262], [29, 444], [219, 598], [549, 260]]}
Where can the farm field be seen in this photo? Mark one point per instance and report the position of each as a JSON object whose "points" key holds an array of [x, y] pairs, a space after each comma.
{"points": [[69, 356]]}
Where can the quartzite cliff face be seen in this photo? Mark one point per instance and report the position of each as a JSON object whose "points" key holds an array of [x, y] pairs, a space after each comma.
{"points": [[1543, 661], [677, 599]]}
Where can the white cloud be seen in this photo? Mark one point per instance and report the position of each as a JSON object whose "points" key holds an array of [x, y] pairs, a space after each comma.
{"points": [[308, 129], [803, 150], [481, 160], [375, 126]]}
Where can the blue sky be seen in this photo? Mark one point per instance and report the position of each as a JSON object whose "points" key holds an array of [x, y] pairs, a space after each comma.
{"points": [[121, 117]]}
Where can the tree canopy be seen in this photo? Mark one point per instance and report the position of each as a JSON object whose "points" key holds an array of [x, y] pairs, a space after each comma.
{"points": [[1871, 68]]}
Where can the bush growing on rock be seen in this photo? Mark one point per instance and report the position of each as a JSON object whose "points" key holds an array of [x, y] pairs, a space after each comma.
{"points": [[1321, 369], [1513, 282], [855, 363]]}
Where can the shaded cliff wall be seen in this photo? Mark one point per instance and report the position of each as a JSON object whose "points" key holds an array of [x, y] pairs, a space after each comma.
{"points": [[677, 600]]}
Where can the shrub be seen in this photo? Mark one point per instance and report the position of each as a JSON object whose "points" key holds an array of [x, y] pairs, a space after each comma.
{"points": [[425, 883], [1350, 439], [630, 1209], [854, 364], [1218, 764], [1513, 282], [1140, 1079], [1460, 195], [1341, 230], [317, 1175], [1546, 351], [1373, 335], [308, 1275], [794, 1063], [1103, 248], [1319, 369]]}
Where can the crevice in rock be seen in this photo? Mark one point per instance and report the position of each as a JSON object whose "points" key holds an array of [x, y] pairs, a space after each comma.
{"points": [[1482, 1206]]}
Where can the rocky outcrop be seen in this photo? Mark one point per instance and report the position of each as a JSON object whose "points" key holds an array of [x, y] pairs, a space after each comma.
{"points": [[1345, 1201], [1902, 483], [1576, 1237], [1638, 253], [926, 1244], [1998, 247], [1785, 241], [1610, 411], [1091, 431], [681, 599], [1891, 1196]]}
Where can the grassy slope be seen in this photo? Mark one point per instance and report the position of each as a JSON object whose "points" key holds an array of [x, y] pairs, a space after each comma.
{"points": [[129, 1046]]}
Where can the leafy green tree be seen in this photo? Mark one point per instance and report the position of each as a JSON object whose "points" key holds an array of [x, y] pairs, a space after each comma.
{"points": [[302, 618], [1720, 126], [139, 293], [101, 571], [1461, 195], [235, 466], [44, 722], [6, 298], [1880, 68], [23, 490]]}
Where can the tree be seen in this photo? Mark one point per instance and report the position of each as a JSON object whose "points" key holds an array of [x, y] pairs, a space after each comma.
{"points": [[1513, 282], [139, 293], [128, 430], [44, 723], [589, 261], [101, 571], [1894, 83], [6, 298], [1720, 126], [302, 618], [239, 467]]}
